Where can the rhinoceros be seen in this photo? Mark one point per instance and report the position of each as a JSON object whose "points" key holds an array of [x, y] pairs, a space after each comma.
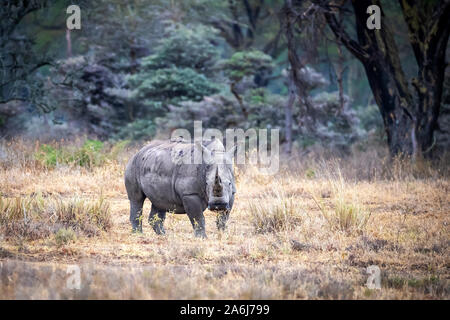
{"points": [[158, 172]]}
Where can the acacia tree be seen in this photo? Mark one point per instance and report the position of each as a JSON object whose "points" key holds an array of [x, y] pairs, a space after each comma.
{"points": [[409, 108]]}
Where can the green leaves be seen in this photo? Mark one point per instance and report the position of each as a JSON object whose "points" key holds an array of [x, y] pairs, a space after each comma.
{"points": [[177, 71], [186, 48], [246, 63], [172, 84], [89, 155]]}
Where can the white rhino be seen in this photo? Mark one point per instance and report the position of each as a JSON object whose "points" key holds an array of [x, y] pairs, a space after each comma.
{"points": [[158, 173]]}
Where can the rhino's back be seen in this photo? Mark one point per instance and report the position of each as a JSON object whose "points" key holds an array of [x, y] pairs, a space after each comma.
{"points": [[162, 180]]}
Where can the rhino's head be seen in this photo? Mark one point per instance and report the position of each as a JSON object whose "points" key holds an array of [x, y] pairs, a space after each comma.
{"points": [[219, 179]]}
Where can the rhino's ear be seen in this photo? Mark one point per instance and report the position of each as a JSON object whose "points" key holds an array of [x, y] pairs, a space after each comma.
{"points": [[207, 156]]}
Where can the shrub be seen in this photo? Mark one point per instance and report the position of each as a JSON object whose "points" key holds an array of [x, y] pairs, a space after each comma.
{"points": [[48, 156], [186, 47], [140, 129], [89, 154], [92, 153], [64, 236], [246, 63], [171, 84]]}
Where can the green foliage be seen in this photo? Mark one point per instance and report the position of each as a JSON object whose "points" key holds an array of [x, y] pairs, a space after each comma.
{"points": [[185, 47], [141, 129], [171, 84], [246, 63], [222, 112], [89, 155], [48, 155], [177, 71], [64, 236]]}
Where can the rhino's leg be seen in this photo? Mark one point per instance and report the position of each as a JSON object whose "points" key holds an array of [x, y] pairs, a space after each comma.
{"points": [[156, 219], [222, 218], [136, 214], [136, 197], [194, 209]]}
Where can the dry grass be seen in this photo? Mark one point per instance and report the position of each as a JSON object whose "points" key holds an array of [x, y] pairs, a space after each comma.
{"points": [[35, 217], [347, 213], [274, 212], [280, 244]]}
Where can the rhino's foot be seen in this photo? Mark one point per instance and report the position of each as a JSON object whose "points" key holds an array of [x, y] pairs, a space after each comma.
{"points": [[221, 225], [136, 228], [159, 230], [200, 234], [221, 221]]}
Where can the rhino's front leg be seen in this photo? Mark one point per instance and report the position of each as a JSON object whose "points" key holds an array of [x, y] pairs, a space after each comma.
{"points": [[194, 209], [222, 218], [156, 219]]}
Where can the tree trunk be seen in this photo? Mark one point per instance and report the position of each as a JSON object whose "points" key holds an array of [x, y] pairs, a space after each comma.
{"points": [[428, 34], [69, 43], [398, 125], [288, 113], [409, 120], [239, 99]]}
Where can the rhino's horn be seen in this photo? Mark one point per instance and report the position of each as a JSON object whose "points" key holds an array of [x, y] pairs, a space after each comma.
{"points": [[217, 190]]}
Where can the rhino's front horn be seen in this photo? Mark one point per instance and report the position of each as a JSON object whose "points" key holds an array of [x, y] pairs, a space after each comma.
{"points": [[217, 190]]}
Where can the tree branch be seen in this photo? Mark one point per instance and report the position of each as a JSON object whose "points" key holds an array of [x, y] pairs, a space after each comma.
{"points": [[345, 39]]}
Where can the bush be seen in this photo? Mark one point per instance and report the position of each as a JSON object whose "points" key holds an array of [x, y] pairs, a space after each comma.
{"points": [[92, 153], [188, 47], [141, 129], [246, 63], [172, 84], [64, 236]]}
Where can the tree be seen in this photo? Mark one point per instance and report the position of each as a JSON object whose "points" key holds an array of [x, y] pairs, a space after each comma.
{"points": [[245, 64], [409, 116], [18, 60], [298, 83], [178, 70]]}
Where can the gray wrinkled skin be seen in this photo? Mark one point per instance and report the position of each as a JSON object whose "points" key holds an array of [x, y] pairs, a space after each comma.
{"points": [[156, 172]]}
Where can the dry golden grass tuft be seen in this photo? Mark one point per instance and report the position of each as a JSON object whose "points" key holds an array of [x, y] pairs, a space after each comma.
{"points": [[274, 212], [35, 217], [311, 231]]}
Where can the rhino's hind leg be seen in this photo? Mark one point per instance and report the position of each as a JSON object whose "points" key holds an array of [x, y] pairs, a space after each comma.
{"points": [[193, 206], [136, 214], [156, 219]]}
